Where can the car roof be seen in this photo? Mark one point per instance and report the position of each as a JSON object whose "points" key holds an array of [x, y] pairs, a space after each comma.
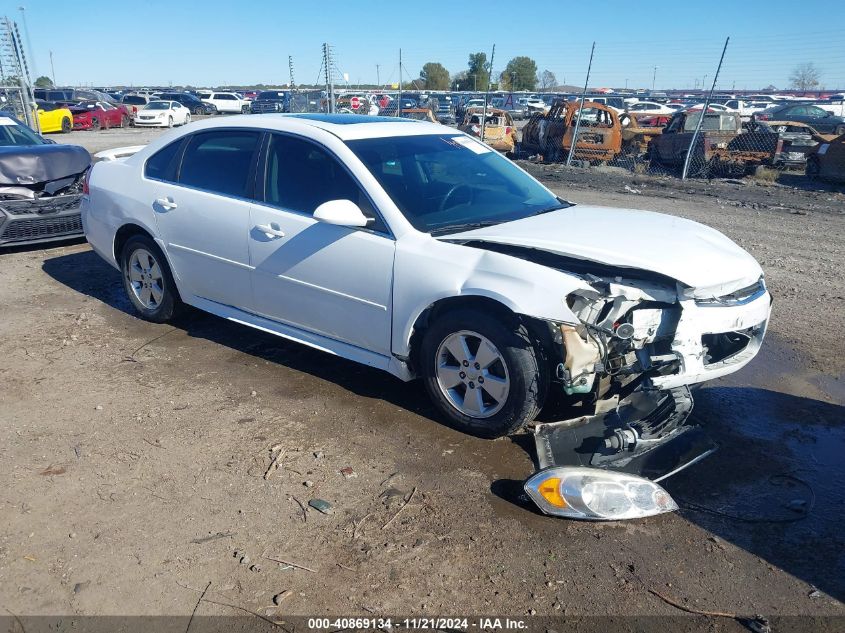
{"points": [[346, 127]]}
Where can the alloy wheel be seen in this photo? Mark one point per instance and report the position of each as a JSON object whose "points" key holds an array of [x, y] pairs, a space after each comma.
{"points": [[472, 374], [146, 279]]}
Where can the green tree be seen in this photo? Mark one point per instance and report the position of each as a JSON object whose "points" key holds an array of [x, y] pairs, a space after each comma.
{"points": [[43, 82], [435, 76], [478, 73], [520, 74]]}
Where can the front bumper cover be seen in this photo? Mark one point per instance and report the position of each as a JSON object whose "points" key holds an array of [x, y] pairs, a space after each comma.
{"points": [[40, 220]]}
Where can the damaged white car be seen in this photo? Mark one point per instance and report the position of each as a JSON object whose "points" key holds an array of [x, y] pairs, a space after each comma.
{"points": [[420, 251]]}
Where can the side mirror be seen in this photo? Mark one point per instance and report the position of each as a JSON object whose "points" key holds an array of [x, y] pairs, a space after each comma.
{"points": [[340, 213]]}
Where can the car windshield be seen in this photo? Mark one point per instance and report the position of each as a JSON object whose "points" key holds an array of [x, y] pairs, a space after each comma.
{"points": [[12, 133], [450, 183], [157, 105]]}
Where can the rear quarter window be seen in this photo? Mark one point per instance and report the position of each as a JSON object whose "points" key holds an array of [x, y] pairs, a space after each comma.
{"points": [[162, 164]]}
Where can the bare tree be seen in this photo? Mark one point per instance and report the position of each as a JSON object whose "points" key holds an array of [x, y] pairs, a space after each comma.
{"points": [[547, 80], [805, 76]]}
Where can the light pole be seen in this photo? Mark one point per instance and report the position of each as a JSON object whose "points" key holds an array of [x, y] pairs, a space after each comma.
{"points": [[704, 84], [52, 68], [378, 76], [654, 79], [626, 84], [28, 41]]}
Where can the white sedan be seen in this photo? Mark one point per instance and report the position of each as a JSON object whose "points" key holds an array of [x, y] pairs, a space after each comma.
{"points": [[650, 107], [162, 114], [417, 250]]}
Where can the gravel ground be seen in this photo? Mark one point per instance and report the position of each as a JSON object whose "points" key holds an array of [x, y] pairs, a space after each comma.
{"points": [[135, 457]]}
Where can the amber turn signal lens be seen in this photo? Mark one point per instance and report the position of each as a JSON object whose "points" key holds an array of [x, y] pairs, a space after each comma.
{"points": [[550, 490]]}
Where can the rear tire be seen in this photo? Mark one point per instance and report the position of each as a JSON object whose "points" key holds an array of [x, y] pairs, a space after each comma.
{"points": [[148, 281], [515, 386], [95, 124], [124, 121]]}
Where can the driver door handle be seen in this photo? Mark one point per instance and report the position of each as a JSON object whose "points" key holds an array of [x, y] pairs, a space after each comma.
{"points": [[270, 231], [166, 203]]}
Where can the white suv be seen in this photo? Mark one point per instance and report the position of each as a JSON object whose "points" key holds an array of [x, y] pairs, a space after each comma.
{"points": [[229, 102]]}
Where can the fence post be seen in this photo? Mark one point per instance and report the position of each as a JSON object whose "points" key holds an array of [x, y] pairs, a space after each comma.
{"points": [[704, 111], [580, 110]]}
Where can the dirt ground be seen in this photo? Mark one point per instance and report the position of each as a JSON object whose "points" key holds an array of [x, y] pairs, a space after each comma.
{"points": [[134, 457]]}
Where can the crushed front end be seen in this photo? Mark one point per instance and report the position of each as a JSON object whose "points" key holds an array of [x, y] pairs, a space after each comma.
{"points": [[41, 192], [627, 367]]}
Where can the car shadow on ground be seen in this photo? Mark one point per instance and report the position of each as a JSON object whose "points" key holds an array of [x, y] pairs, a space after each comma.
{"points": [[88, 274], [776, 487]]}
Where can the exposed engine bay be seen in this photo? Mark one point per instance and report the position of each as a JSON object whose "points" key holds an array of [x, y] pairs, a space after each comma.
{"points": [[641, 340]]}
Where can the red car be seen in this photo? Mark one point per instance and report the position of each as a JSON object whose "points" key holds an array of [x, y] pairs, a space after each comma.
{"points": [[94, 115]]}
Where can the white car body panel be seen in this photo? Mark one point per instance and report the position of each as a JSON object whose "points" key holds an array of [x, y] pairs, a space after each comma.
{"points": [[358, 294], [634, 239]]}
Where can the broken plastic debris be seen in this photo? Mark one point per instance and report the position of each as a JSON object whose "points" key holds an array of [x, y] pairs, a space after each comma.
{"points": [[321, 505]]}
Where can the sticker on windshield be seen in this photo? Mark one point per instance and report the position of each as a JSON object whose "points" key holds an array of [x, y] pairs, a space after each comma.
{"points": [[471, 144], [823, 149], [4, 120]]}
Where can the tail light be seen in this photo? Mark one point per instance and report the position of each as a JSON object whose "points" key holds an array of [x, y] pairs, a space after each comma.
{"points": [[762, 117], [85, 189], [508, 130]]}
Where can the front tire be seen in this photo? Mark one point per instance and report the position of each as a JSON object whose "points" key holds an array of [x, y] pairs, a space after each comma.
{"points": [[67, 126], [148, 281], [482, 373], [170, 121]]}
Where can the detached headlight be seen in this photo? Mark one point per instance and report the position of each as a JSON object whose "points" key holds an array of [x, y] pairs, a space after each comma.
{"points": [[597, 495]]}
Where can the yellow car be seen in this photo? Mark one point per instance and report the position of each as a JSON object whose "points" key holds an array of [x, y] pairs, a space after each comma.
{"points": [[53, 118]]}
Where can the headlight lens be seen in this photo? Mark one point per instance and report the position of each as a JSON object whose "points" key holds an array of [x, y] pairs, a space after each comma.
{"points": [[596, 494]]}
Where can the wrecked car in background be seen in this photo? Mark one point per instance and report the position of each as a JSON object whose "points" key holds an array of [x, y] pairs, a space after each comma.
{"points": [[41, 186], [499, 131], [638, 130], [550, 135], [421, 251], [722, 148], [827, 161], [797, 140]]}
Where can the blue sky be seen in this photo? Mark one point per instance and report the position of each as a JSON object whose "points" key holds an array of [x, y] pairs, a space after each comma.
{"points": [[217, 42]]}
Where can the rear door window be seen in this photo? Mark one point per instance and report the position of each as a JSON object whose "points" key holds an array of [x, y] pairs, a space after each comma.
{"points": [[220, 162]]}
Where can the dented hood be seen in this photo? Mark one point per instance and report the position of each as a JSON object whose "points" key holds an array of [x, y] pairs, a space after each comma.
{"points": [[693, 254], [31, 164]]}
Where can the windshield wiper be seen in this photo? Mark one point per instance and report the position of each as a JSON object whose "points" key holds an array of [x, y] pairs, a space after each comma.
{"points": [[469, 226], [563, 205]]}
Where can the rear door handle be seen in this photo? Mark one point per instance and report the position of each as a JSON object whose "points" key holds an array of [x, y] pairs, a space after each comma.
{"points": [[166, 203], [271, 230]]}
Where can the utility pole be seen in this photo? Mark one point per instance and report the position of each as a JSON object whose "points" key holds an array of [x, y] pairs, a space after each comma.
{"points": [[290, 68], [52, 68], [327, 62], [28, 40], [487, 93], [399, 99]]}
